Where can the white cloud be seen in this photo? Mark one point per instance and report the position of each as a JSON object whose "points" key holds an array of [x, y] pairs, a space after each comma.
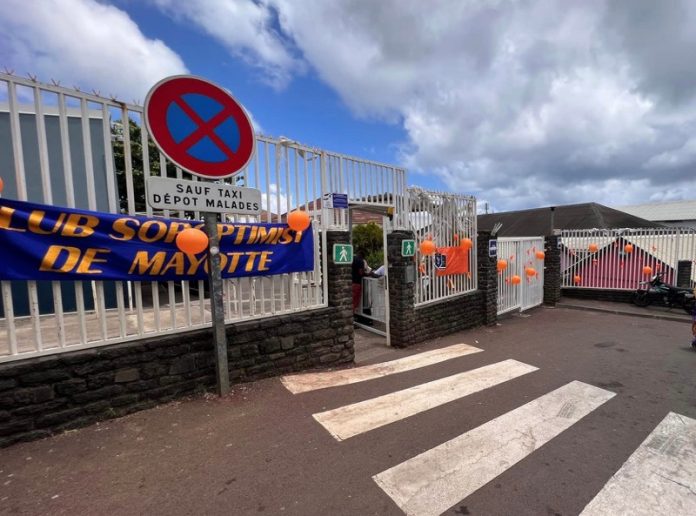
{"points": [[244, 28], [83, 43], [522, 102], [276, 200]]}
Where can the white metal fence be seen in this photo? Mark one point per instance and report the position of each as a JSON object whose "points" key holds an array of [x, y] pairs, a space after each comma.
{"points": [[520, 255], [80, 150], [446, 219], [366, 183], [622, 258]]}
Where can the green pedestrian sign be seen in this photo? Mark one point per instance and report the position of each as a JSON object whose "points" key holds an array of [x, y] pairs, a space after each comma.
{"points": [[342, 254], [408, 248]]}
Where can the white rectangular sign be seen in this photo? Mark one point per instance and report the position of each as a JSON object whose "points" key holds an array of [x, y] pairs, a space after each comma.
{"points": [[179, 194]]}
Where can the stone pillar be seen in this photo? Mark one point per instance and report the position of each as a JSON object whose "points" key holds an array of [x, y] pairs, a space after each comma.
{"points": [[552, 270], [684, 273], [339, 287], [487, 279], [401, 275], [338, 276]]}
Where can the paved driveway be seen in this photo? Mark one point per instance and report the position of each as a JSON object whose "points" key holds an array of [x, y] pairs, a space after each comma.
{"points": [[533, 416]]}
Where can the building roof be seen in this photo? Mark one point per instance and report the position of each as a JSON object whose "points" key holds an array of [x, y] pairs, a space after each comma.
{"points": [[537, 221], [663, 211]]}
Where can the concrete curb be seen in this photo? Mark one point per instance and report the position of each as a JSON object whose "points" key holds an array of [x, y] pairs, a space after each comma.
{"points": [[622, 312]]}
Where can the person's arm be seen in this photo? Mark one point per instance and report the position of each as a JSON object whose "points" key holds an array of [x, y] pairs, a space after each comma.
{"points": [[369, 272]]}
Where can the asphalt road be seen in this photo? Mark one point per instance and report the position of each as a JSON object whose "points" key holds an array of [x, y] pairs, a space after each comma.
{"points": [[260, 451]]}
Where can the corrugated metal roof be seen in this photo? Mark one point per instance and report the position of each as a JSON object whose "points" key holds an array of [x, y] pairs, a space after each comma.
{"points": [[677, 210]]}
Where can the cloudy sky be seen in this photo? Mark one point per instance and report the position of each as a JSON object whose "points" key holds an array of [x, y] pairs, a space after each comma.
{"points": [[521, 103]]}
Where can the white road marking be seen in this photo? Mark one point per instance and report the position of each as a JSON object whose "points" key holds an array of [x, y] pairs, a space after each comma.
{"points": [[350, 420], [660, 476], [433, 481], [313, 381]]}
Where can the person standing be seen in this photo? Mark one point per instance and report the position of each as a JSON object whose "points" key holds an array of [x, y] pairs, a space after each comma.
{"points": [[359, 269]]}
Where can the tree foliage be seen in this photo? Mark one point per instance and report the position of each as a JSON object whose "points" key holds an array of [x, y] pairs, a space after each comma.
{"points": [[136, 148], [368, 242]]}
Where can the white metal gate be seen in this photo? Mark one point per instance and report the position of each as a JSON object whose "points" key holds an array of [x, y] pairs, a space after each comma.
{"points": [[373, 311], [518, 290]]}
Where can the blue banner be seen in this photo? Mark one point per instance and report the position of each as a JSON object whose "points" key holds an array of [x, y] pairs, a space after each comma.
{"points": [[40, 242]]}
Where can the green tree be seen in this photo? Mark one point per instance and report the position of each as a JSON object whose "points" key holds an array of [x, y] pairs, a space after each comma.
{"points": [[368, 241], [136, 147]]}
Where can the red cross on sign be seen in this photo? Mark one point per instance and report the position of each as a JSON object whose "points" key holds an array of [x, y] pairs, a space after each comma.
{"points": [[199, 126]]}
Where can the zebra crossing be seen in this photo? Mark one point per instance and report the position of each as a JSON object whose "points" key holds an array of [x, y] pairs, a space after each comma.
{"points": [[662, 470], [659, 478], [312, 381]]}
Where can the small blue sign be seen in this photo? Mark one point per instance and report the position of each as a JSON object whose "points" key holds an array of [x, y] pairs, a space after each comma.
{"points": [[340, 201], [492, 248], [440, 261]]}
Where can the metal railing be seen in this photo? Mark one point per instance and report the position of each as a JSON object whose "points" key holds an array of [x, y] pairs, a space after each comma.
{"points": [[622, 258], [365, 183], [446, 219], [80, 150]]}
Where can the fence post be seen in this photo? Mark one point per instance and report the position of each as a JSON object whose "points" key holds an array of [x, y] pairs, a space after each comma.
{"points": [[402, 309], [487, 278], [552, 270]]}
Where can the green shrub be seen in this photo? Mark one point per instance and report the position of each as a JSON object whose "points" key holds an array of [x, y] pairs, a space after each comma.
{"points": [[368, 241]]}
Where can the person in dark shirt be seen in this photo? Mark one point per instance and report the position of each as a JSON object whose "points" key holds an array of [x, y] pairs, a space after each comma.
{"points": [[359, 269]]}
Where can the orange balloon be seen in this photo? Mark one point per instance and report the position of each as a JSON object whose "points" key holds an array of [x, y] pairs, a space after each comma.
{"points": [[298, 220], [628, 248], [647, 270], [577, 279], [516, 280], [192, 241], [2, 185], [540, 255], [502, 265], [427, 247], [593, 248], [530, 271], [466, 244]]}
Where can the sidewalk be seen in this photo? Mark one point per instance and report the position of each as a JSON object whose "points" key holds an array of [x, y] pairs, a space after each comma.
{"points": [[653, 312]]}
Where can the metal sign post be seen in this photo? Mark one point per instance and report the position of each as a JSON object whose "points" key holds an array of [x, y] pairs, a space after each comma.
{"points": [[204, 130], [222, 373]]}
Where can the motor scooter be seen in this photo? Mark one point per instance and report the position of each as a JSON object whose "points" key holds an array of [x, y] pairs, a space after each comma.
{"points": [[656, 291]]}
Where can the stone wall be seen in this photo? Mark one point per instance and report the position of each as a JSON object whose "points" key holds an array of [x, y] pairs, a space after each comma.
{"points": [[46, 395], [552, 270], [487, 279], [410, 325], [618, 296]]}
